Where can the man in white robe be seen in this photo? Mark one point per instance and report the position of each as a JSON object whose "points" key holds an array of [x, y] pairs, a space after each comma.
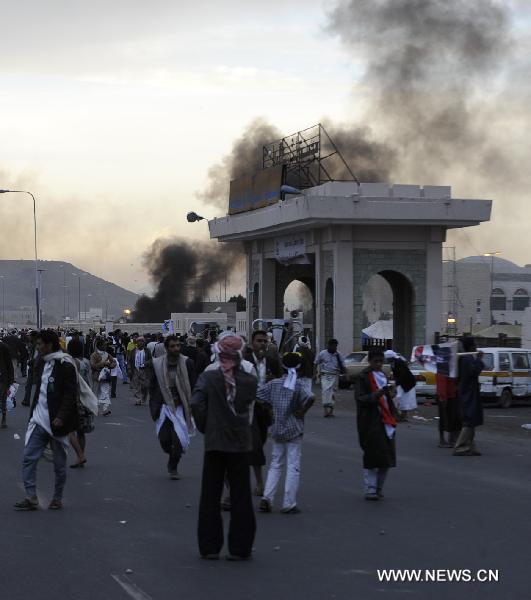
{"points": [[172, 379]]}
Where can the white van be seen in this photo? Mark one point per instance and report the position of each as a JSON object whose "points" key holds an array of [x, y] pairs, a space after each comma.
{"points": [[507, 374]]}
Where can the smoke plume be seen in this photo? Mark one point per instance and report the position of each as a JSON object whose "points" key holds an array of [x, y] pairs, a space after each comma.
{"points": [[182, 274], [245, 158], [430, 65], [446, 91]]}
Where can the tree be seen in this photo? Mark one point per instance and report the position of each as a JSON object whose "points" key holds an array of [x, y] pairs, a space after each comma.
{"points": [[241, 302]]}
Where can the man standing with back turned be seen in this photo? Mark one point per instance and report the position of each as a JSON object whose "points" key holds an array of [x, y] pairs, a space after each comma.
{"points": [[221, 405]]}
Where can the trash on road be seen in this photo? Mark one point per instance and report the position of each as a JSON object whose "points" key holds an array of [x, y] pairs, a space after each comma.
{"points": [[418, 418], [526, 426], [16, 436], [122, 522], [129, 571], [276, 548]]}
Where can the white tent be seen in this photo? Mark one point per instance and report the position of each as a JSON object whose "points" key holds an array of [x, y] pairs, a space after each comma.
{"points": [[381, 330]]}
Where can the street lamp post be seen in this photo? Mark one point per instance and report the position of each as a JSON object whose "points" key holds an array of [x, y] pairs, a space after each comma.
{"points": [[41, 303], [492, 255], [78, 295], [104, 295], [37, 295], [86, 296]]}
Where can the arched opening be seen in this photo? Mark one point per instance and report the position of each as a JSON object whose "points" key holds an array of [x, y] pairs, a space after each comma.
{"points": [[498, 299], [520, 300], [329, 310], [403, 301], [377, 317], [388, 300], [298, 298]]}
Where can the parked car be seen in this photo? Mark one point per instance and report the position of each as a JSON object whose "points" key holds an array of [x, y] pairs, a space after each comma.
{"points": [[507, 375], [354, 363], [426, 380]]}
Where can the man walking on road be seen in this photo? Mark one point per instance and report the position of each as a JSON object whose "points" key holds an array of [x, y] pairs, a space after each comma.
{"points": [[7, 377], [267, 368], [470, 367], [290, 402], [376, 417], [330, 365], [32, 367], [140, 356], [172, 381], [221, 406], [53, 415]]}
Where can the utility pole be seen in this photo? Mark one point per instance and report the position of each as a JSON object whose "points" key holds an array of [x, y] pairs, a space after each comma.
{"points": [[39, 316]]}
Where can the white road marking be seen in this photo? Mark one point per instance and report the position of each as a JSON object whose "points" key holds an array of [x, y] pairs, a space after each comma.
{"points": [[130, 588], [135, 419]]}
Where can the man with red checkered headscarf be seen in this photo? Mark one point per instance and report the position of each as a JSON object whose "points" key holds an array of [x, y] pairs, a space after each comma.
{"points": [[222, 404]]}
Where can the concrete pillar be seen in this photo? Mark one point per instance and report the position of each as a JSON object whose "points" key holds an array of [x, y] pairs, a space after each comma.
{"points": [[344, 290], [434, 279], [267, 287], [318, 300]]}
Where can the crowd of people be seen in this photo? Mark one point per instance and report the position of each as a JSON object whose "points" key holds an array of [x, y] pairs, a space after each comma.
{"points": [[238, 394]]}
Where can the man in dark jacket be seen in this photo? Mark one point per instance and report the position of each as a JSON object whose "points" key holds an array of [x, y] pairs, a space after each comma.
{"points": [[172, 379], [7, 377], [468, 391], [202, 360], [221, 403], [377, 417], [33, 363], [53, 415]]}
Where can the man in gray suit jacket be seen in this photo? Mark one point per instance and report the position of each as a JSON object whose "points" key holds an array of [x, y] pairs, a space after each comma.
{"points": [[222, 408]]}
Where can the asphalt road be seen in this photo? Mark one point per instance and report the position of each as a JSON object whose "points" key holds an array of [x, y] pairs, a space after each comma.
{"points": [[122, 513]]}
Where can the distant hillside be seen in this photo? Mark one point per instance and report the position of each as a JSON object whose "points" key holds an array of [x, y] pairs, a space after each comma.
{"points": [[19, 278]]}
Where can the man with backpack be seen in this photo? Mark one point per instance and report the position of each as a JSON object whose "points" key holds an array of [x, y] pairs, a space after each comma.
{"points": [[53, 415]]}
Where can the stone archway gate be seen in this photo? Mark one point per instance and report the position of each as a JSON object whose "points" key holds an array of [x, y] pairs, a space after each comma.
{"points": [[347, 232]]}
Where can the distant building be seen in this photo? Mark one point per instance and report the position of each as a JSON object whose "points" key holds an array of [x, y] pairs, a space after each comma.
{"points": [[488, 291], [92, 314]]}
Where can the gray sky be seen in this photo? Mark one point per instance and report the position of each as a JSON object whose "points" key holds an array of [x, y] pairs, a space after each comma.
{"points": [[112, 113]]}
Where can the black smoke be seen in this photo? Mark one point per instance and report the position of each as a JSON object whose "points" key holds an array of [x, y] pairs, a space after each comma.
{"points": [[182, 274], [245, 158], [431, 67]]}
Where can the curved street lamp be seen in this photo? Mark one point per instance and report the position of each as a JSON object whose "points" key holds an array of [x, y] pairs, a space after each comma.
{"points": [[192, 217], [37, 295]]}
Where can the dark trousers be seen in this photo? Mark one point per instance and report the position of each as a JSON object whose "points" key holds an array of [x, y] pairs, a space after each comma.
{"points": [[113, 386], [170, 443], [242, 521], [29, 387]]}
